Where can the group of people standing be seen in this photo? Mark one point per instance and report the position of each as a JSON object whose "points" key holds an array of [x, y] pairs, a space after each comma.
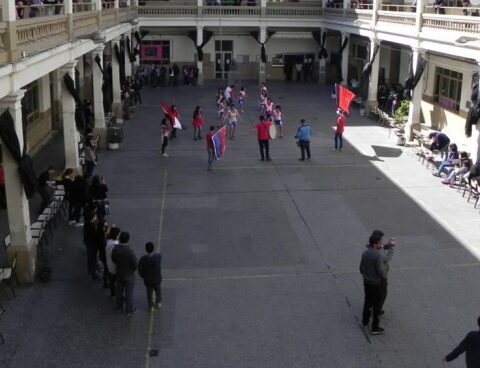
{"points": [[155, 75]]}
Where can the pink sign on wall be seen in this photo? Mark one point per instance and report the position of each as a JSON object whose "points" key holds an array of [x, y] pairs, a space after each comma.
{"points": [[151, 52]]}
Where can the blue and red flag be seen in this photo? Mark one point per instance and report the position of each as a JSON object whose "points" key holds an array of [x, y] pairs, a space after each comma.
{"points": [[344, 98], [219, 140]]}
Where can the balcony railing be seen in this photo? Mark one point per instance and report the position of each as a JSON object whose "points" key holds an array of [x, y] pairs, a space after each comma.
{"points": [[398, 17], [46, 26], [451, 23]]}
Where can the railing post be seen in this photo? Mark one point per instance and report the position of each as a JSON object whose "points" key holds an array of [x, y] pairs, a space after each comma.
{"points": [[68, 8], [98, 8], [346, 4], [199, 7], [9, 15], [263, 9], [419, 16], [117, 15], [376, 6]]}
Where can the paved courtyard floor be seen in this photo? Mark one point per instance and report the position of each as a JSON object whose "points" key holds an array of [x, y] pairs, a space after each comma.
{"points": [[260, 258]]}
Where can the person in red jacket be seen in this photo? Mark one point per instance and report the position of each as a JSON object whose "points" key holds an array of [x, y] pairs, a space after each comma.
{"points": [[197, 123], [263, 136], [339, 130]]}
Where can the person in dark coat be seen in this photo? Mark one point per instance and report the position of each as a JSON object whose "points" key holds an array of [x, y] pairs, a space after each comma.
{"points": [[126, 265], [98, 195], [470, 345], [45, 181], [94, 240], [78, 199], [150, 269]]}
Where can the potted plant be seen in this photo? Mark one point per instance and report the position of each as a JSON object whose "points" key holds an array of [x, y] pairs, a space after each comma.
{"points": [[400, 116], [114, 137]]}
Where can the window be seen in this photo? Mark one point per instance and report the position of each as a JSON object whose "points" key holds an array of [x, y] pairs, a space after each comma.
{"points": [[156, 51], [292, 59], [448, 88], [223, 45], [30, 102]]}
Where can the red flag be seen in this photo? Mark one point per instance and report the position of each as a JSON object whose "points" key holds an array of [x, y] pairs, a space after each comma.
{"points": [[171, 115], [344, 98]]}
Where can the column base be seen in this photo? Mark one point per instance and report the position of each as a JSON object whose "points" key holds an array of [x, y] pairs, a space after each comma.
{"points": [[102, 137], [371, 105], [322, 79], [200, 80], [117, 110], [26, 260]]}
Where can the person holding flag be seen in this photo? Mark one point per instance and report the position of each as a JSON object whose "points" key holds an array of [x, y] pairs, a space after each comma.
{"points": [[339, 130], [210, 147]]}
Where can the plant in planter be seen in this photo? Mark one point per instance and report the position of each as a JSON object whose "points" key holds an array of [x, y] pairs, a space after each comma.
{"points": [[114, 137], [401, 114]]}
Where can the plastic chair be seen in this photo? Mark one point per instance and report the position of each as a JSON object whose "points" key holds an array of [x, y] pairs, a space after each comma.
{"points": [[8, 275]]}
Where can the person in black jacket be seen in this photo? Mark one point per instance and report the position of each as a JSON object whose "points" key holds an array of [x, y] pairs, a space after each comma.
{"points": [[94, 240], [471, 345], [77, 199], [150, 269], [126, 265]]}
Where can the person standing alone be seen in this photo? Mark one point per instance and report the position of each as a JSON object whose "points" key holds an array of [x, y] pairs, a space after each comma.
{"points": [[303, 135], [263, 136], [210, 147], [150, 269], [125, 266], [373, 273], [469, 345]]}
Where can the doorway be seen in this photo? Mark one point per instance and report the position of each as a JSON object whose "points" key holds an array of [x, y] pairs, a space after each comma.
{"points": [[223, 58]]}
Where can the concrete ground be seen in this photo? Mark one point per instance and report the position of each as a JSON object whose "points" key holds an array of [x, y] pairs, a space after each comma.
{"points": [[260, 259]]}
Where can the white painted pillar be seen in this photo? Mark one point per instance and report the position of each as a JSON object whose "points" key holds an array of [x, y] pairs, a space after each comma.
{"points": [[475, 151], [9, 10], [345, 55], [17, 202], [261, 65], [81, 77], [200, 63], [128, 64], [415, 109], [70, 134], [322, 66], [116, 88], [418, 16], [68, 6], [97, 88], [44, 100], [373, 83]]}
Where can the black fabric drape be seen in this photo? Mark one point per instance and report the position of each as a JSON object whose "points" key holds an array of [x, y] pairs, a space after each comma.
{"points": [[121, 63], [80, 108], [207, 36], [139, 37], [343, 45], [367, 69], [130, 54], [263, 53], [474, 111], [97, 61], [25, 164], [413, 79], [320, 39]]}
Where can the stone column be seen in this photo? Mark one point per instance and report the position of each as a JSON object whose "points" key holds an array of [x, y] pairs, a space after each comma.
{"points": [[17, 203], [415, 109], [373, 83], [128, 64], [117, 102], [97, 88], [200, 63], [345, 55], [322, 64], [44, 101], [261, 65], [70, 134]]}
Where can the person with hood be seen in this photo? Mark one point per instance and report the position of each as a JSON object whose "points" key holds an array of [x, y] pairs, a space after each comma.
{"points": [[150, 269]]}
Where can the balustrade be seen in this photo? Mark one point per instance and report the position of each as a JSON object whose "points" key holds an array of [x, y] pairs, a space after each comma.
{"points": [[451, 23], [398, 17]]}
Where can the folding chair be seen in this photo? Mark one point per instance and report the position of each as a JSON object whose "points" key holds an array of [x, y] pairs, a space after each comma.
{"points": [[9, 275]]}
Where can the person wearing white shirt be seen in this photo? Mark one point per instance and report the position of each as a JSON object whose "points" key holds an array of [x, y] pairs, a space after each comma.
{"points": [[112, 240]]}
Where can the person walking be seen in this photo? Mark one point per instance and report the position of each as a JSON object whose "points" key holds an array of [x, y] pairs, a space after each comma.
{"points": [[78, 199], [373, 272], [263, 136], [470, 345], [197, 123], [166, 128], [93, 239], [233, 118], [90, 159], [126, 265], [45, 181], [339, 130], [210, 147], [303, 135], [150, 269], [112, 240]]}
